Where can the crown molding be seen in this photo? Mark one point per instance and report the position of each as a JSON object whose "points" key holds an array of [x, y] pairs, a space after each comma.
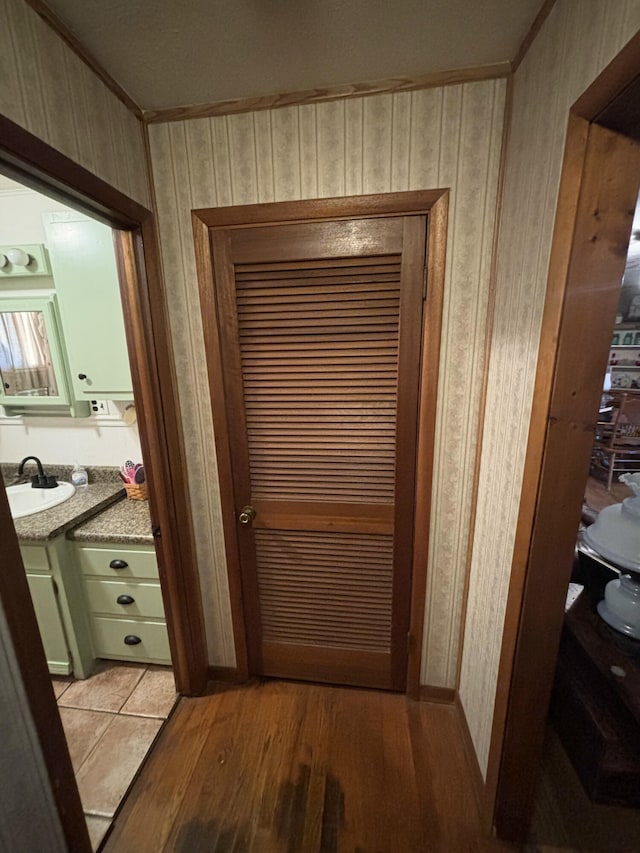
{"points": [[62, 30], [330, 93], [18, 191], [530, 37]]}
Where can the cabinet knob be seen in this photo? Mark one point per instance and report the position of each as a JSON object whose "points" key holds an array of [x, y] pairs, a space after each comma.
{"points": [[125, 599], [118, 564], [132, 640], [82, 376]]}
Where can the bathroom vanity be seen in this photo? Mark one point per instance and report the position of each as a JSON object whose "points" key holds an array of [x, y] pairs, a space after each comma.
{"points": [[58, 602], [93, 576]]}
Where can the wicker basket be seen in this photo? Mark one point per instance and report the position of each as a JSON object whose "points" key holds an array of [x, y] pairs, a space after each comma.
{"points": [[136, 491]]}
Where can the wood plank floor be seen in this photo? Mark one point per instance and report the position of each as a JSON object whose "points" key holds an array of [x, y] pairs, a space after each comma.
{"points": [[280, 767], [598, 497]]}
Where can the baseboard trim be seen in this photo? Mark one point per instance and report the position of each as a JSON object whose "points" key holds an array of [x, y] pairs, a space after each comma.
{"points": [[229, 674], [476, 773], [442, 695]]}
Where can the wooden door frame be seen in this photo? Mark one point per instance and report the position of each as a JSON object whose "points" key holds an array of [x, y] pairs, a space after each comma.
{"points": [[433, 203], [34, 163], [562, 405]]}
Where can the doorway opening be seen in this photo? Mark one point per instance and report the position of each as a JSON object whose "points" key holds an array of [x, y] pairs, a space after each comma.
{"points": [[597, 199], [586, 794], [102, 626], [28, 160]]}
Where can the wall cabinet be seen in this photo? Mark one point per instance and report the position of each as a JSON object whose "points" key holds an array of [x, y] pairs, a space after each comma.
{"points": [[58, 600], [124, 602], [33, 367], [82, 258]]}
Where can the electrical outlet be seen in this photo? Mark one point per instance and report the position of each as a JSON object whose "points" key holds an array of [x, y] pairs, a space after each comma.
{"points": [[100, 407]]}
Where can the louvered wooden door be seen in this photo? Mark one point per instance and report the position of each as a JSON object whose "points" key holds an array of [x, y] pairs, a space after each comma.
{"points": [[320, 329]]}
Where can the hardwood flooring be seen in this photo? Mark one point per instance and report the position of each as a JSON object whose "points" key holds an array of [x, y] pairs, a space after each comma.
{"points": [[280, 767], [598, 497]]}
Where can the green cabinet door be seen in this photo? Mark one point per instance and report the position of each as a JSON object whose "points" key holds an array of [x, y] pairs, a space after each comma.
{"points": [[83, 262], [52, 633]]}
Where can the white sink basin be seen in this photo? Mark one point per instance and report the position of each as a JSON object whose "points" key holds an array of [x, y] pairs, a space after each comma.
{"points": [[23, 500]]}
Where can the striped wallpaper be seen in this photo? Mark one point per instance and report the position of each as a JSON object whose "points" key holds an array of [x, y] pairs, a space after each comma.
{"points": [[47, 89], [447, 137], [577, 41]]}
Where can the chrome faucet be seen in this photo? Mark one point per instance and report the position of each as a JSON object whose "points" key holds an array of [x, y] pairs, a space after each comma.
{"points": [[39, 480]]}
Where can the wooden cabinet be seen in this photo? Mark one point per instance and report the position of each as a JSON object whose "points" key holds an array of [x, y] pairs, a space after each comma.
{"points": [[45, 603], [84, 268], [124, 602], [595, 705], [58, 600]]}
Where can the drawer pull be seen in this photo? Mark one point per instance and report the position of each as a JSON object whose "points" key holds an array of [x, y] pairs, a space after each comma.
{"points": [[118, 564], [125, 599], [132, 640]]}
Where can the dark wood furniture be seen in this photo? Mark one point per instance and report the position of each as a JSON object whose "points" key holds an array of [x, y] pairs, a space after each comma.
{"points": [[595, 705]]}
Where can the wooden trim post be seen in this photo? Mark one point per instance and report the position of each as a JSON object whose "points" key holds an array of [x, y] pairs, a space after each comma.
{"points": [[598, 194]]}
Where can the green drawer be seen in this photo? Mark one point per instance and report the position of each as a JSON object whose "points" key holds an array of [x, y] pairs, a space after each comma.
{"points": [[102, 597], [96, 561], [109, 634], [35, 558]]}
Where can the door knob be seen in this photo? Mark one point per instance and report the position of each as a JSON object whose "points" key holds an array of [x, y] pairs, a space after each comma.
{"points": [[247, 514]]}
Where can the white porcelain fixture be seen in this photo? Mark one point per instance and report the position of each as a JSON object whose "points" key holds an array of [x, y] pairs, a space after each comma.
{"points": [[615, 535], [620, 607], [24, 500], [616, 531]]}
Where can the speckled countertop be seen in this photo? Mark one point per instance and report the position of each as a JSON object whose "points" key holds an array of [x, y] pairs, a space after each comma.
{"points": [[85, 503], [126, 522], [95, 513]]}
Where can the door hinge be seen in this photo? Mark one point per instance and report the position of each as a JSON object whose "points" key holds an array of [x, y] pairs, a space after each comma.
{"points": [[55, 587], [424, 272], [409, 642], [156, 532]]}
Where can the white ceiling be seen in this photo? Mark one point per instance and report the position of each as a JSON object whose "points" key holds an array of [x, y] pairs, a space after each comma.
{"points": [[169, 53]]}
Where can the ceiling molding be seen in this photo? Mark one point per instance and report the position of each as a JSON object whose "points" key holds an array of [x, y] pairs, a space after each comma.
{"points": [[4, 192], [67, 36], [534, 29], [330, 93]]}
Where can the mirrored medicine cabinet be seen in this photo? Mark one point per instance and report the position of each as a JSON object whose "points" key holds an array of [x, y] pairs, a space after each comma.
{"points": [[33, 371]]}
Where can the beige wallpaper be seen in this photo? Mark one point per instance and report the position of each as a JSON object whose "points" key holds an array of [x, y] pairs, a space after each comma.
{"points": [[579, 38], [46, 89], [447, 137]]}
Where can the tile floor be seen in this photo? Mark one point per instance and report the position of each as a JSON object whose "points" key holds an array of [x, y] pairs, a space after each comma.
{"points": [[110, 721]]}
